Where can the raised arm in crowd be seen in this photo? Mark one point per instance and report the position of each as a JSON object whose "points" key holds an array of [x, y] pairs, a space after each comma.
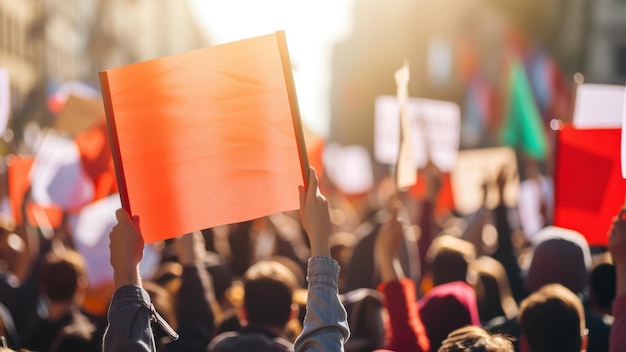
{"points": [[131, 311]]}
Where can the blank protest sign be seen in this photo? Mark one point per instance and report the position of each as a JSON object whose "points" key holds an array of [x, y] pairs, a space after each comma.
{"points": [[598, 106], [208, 137], [435, 129]]}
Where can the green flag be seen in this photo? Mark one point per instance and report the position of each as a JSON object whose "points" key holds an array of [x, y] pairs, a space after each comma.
{"points": [[523, 128]]}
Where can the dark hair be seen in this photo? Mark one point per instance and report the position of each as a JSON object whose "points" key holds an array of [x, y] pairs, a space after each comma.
{"points": [[603, 283], [60, 274], [552, 319], [475, 339], [268, 289], [450, 258]]}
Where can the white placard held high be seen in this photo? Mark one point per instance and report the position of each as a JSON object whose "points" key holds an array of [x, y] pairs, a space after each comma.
{"points": [[435, 129], [598, 106], [349, 168], [58, 177]]}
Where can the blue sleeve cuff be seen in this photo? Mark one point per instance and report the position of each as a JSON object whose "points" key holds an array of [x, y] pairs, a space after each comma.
{"points": [[322, 270]]}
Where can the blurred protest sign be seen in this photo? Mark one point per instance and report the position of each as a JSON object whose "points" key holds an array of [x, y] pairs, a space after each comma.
{"points": [[476, 167], [5, 99], [79, 114], [207, 137], [588, 187], [56, 101], [406, 174], [18, 179], [57, 176], [90, 234], [18, 169], [95, 157], [598, 106], [435, 131], [349, 168]]}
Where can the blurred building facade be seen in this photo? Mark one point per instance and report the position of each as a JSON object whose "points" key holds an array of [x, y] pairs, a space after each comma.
{"points": [[46, 43], [606, 49], [22, 49], [447, 39]]}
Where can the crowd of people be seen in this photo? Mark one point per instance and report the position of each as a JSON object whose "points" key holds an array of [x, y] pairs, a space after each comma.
{"points": [[385, 273]]}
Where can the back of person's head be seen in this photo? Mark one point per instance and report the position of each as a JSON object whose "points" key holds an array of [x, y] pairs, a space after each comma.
{"points": [[475, 339], [602, 285], [552, 320], [367, 331], [168, 275], [163, 303], [449, 258], [268, 290], [221, 274], [6, 349], [559, 256], [232, 341], [62, 274], [447, 307], [494, 297]]}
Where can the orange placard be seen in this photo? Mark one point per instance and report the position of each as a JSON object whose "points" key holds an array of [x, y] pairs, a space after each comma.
{"points": [[207, 137]]}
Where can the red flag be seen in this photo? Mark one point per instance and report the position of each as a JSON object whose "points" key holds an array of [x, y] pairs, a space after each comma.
{"points": [[207, 137], [589, 189]]}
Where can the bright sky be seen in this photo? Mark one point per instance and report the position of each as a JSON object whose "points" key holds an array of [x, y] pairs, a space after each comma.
{"points": [[312, 27]]}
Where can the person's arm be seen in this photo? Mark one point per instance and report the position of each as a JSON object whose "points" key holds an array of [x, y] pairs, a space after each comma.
{"points": [[617, 247], [131, 310], [505, 252], [407, 331], [196, 305], [429, 228], [473, 232], [325, 323]]}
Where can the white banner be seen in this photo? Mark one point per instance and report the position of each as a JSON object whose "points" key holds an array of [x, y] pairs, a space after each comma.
{"points": [[57, 176], [435, 129], [477, 166], [349, 168], [598, 106]]}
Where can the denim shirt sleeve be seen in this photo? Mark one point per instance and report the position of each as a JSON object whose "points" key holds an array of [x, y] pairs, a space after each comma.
{"points": [[325, 323], [129, 321]]}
